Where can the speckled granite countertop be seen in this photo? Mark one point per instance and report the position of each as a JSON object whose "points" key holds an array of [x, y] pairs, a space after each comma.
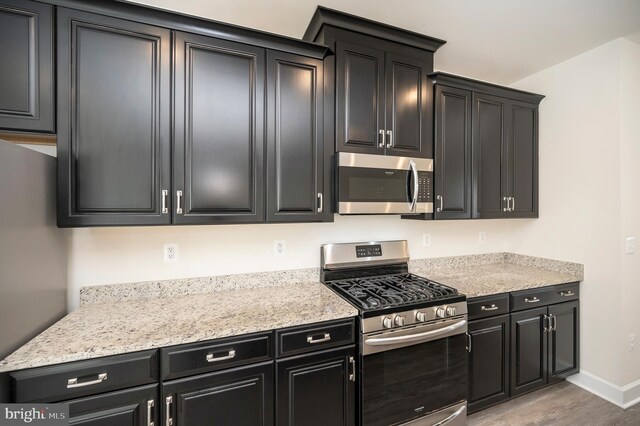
{"points": [[109, 328], [494, 273]]}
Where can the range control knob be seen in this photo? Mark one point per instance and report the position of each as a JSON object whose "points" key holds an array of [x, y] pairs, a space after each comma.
{"points": [[399, 320], [451, 311], [387, 323], [440, 313], [421, 316]]}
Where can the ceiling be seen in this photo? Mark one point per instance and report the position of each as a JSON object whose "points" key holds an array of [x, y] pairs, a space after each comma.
{"points": [[501, 41]]}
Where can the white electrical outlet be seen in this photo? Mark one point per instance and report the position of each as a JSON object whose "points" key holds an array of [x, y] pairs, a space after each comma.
{"points": [[482, 237], [633, 343], [426, 239], [630, 245], [170, 252], [279, 247]]}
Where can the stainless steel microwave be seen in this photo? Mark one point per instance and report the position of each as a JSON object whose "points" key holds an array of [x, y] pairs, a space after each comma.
{"points": [[383, 184]]}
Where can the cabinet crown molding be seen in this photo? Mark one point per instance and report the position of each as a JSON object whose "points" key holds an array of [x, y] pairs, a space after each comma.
{"points": [[325, 16]]}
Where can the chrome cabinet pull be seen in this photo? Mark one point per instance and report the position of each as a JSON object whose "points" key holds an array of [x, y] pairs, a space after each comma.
{"points": [[567, 293], [168, 420], [440, 202], [505, 209], [416, 185], [352, 376], [554, 326], [449, 419], [381, 144], [513, 204], [165, 193], [150, 404], [469, 342], [178, 202], [320, 202], [230, 355], [324, 338], [493, 307], [534, 300], [390, 134], [546, 322], [73, 383]]}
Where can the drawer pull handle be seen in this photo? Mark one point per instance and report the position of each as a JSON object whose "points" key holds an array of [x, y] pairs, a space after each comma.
{"points": [[230, 355], [493, 307], [534, 300], [567, 293], [325, 338], [73, 383]]}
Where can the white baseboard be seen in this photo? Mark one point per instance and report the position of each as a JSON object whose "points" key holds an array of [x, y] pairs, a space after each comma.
{"points": [[622, 396]]}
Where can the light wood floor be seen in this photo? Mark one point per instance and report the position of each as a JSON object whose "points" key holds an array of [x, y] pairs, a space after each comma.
{"points": [[557, 405]]}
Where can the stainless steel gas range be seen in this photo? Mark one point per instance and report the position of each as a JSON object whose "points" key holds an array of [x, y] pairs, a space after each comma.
{"points": [[413, 340]]}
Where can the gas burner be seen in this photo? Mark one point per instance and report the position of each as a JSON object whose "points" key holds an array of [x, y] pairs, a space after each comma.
{"points": [[390, 290]]}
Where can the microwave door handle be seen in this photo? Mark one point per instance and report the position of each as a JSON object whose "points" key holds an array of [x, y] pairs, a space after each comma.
{"points": [[414, 171]]}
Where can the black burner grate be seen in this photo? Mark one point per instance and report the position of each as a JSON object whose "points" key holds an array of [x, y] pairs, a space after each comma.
{"points": [[391, 290]]}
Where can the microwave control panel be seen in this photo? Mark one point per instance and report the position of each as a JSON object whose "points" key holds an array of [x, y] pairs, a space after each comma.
{"points": [[425, 187]]}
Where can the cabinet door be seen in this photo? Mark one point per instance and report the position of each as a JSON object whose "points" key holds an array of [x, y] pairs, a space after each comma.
{"points": [[564, 340], [408, 124], [113, 121], [452, 174], [316, 389], [295, 158], [219, 136], [528, 350], [131, 407], [359, 99], [488, 146], [488, 362], [522, 160], [238, 397], [26, 68]]}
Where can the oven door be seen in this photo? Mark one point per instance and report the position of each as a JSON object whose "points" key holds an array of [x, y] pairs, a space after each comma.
{"points": [[377, 184], [409, 375]]}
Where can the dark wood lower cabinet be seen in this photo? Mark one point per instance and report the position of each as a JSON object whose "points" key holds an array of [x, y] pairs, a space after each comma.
{"points": [[488, 362], [130, 407], [316, 389], [237, 397], [564, 341], [528, 350]]}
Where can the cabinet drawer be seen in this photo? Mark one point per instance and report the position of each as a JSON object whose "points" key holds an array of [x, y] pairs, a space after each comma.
{"points": [[185, 360], [488, 306], [83, 378], [314, 337], [543, 296]]}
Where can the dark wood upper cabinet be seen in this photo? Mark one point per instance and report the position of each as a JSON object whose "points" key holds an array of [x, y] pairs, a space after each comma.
{"points": [[522, 154], [26, 69], [316, 389], [360, 99], [452, 167], [488, 361], [295, 155], [383, 100], [489, 146], [219, 131], [113, 121]]}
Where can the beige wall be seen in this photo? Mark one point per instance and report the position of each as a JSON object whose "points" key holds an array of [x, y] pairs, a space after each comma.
{"points": [[589, 195]]}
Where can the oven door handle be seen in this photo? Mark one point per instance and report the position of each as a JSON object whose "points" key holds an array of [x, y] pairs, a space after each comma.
{"points": [[426, 335], [456, 413]]}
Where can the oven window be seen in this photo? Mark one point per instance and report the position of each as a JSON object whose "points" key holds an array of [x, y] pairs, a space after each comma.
{"points": [[371, 185], [410, 382]]}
